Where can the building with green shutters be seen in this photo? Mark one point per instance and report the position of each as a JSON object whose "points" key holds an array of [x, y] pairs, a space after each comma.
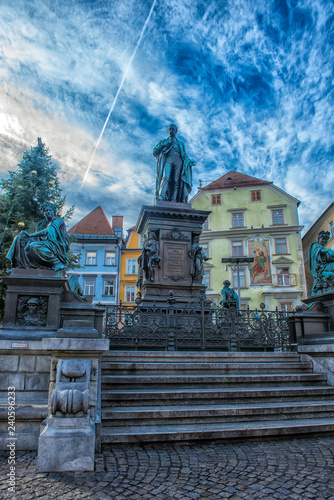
{"points": [[252, 218]]}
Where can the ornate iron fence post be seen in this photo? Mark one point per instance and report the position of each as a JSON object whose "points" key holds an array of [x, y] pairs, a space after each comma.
{"points": [[171, 322], [233, 325], [202, 302]]}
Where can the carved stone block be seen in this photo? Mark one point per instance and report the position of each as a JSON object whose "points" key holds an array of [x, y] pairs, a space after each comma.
{"points": [[68, 440]]}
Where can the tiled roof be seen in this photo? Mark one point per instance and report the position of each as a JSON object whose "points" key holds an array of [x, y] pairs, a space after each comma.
{"points": [[235, 179], [95, 222]]}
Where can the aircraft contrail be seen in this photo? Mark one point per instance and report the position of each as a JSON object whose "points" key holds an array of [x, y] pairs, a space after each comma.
{"points": [[118, 91]]}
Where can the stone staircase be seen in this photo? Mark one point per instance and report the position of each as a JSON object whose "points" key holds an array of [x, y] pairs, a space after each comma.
{"points": [[182, 396]]}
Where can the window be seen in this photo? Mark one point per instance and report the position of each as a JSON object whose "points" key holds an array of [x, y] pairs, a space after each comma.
{"points": [[285, 306], [244, 307], [280, 245], [283, 276], [256, 196], [108, 287], [237, 219], [205, 225], [89, 286], [277, 216], [206, 279], [216, 199], [130, 294], [110, 259], [91, 259], [131, 266], [242, 278], [237, 248], [331, 228]]}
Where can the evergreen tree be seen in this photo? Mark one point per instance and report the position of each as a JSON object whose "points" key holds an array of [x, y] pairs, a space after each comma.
{"points": [[33, 183]]}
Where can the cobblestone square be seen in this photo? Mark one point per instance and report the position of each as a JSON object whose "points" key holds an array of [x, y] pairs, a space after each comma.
{"points": [[294, 469]]}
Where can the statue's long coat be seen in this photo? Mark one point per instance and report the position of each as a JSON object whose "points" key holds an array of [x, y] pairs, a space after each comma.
{"points": [[160, 152]]}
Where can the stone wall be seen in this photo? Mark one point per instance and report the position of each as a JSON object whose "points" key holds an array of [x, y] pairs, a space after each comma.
{"points": [[27, 369]]}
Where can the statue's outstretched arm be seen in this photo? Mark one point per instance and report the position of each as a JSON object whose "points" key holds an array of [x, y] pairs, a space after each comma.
{"points": [[43, 232]]}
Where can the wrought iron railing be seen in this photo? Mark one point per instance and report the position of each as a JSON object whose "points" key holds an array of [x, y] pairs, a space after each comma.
{"points": [[200, 325]]}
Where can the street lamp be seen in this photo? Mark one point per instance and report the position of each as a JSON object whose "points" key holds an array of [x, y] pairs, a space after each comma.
{"points": [[238, 261]]}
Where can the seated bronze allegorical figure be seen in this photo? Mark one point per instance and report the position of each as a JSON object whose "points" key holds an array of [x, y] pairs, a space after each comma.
{"points": [[46, 249], [321, 262]]}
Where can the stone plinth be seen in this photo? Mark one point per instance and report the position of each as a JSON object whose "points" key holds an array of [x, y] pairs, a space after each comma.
{"points": [[40, 302], [43, 286], [71, 431], [308, 326], [327, 301], [174, 226]]}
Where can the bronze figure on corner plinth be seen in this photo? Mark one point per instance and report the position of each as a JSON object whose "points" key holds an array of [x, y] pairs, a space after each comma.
{"points": [[230, 298], [321, 262], [197, 257]]}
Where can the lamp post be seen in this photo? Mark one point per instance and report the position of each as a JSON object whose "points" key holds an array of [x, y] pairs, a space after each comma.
{"points": [[238, 261]]}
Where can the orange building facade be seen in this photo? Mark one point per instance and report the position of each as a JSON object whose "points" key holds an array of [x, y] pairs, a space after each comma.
{"points": [[129, 267]]}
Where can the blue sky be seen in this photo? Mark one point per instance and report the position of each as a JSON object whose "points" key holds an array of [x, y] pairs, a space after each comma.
{"points": [[248, 82]]}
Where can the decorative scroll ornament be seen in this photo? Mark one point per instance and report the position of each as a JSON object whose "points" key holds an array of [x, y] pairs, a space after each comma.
{"points": [[175, 234], [70, 397]]}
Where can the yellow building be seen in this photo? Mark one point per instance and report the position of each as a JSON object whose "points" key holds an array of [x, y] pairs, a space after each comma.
{"points": [[325, 222], [252, 218], [129, 267]]}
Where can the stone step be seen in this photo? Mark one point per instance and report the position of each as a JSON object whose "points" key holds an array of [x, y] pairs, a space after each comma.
{"points": [[208, 380], [172, 367], [198, 356], [230, 430], [167, 415], [218, 395]]}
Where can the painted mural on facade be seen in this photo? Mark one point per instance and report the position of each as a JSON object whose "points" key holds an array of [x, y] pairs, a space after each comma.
{"points": [[260, 272]]}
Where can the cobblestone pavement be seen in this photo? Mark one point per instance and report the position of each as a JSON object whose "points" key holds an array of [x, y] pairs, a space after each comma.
{"points": [[290, 469]]}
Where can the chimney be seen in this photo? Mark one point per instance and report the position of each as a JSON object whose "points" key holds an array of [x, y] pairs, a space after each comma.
{"points": [[117, 221]]}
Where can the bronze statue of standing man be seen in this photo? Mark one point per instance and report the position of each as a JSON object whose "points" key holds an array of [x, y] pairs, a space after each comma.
{"points": [[174, 175]]}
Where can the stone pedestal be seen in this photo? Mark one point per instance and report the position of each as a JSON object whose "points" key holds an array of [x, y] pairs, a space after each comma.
{"points": [[327, 301], [309, 326], [39, 303], [68, 440], [42, 287], [315, 324], [174, 226]]}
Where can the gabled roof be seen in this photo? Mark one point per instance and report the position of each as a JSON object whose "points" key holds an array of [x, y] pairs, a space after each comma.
{"points": [[95, 222], [234, 179]]}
